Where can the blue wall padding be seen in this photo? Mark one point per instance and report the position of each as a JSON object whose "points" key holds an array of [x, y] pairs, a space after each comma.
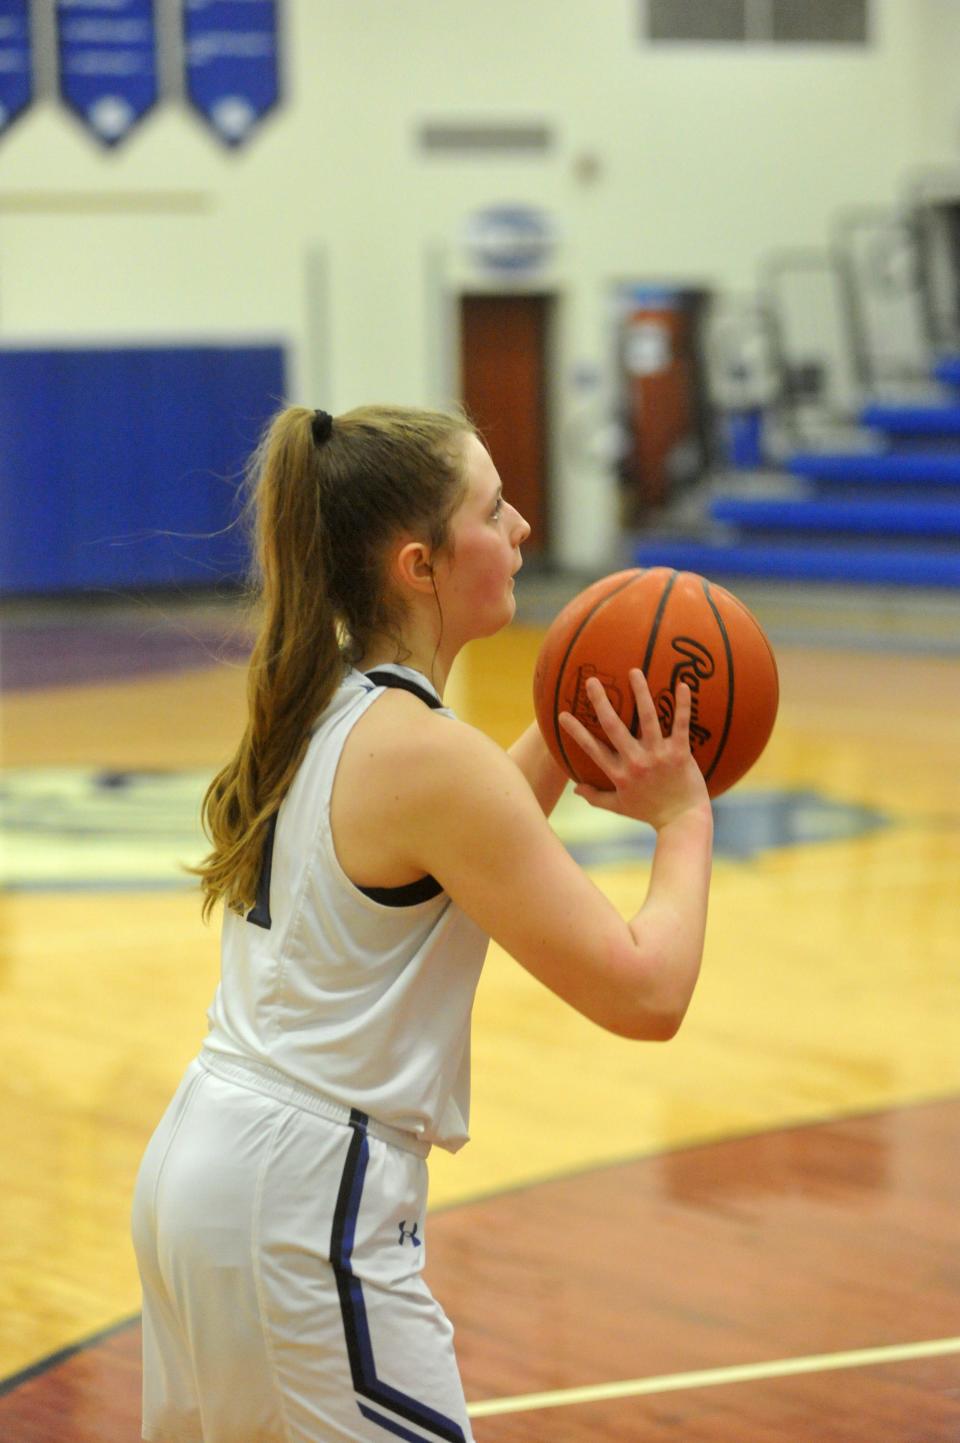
{"points": [[940, 468], [857, 564], [102, 450], [947, 371], [859, 518], [901, 420]]}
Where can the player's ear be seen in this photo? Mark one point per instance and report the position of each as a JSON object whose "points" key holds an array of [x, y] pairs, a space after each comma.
{"points": [[413, 567]]}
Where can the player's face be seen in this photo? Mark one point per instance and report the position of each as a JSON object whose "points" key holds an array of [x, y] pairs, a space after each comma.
{"points": [[487, 534]]}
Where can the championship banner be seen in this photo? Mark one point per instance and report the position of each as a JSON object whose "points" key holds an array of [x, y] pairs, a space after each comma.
{"points": [[107, 53], [16, 83], [231, 57]]}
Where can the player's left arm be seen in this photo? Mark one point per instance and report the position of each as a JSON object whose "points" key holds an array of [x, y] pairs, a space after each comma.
{"points": [[547, 780]]}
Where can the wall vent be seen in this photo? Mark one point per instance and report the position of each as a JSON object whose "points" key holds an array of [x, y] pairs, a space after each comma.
{"points": [[777, 22], [485, 137]]}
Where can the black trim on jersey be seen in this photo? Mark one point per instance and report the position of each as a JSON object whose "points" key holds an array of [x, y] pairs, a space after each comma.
{"points": [[397, 1429], [354, 1312], [259, 914], [404, 683], [424, 889], [411, 894]]}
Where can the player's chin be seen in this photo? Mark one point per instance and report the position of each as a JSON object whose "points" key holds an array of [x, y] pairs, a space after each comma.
{"points": [[495, 618]]}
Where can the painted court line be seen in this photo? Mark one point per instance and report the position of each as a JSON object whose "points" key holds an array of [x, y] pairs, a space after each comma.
{"points": [[715, 1377]]}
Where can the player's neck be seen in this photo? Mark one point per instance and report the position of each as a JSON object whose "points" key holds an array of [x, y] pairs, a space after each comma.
{"points": [[420, 654]]}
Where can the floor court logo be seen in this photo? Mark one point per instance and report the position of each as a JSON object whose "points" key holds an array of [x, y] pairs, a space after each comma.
{"points": [[66, 828], [89, 828]]}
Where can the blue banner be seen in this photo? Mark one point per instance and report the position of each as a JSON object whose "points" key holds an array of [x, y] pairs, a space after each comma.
{"points": [[107, 51], [16, 83], [231, 56]]}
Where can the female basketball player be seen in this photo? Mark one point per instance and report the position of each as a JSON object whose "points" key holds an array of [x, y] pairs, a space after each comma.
{"points": [[366, 845]]}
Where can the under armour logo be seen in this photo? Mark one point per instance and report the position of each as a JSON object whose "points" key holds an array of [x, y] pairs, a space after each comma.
{"points": [[410, 1233]]}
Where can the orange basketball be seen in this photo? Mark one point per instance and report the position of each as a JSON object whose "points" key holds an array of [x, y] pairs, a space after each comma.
{"points": [[675, 626]]}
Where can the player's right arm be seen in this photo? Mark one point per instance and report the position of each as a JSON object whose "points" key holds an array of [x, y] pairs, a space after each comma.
{"points": [[477, 827]]}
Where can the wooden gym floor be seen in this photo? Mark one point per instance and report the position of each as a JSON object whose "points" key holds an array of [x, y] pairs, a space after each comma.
{"points": [[746, 1236]]}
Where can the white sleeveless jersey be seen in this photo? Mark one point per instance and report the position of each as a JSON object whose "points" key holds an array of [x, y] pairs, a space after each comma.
{"points": [[363, 1000]]}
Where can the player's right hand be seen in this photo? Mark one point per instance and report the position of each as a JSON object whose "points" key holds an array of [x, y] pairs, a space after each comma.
{"points": [[654, 778]]}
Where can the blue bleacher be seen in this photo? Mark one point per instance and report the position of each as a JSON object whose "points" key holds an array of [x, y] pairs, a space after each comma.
{"points": [[842, 518], [899, 419], [882, 519], [947, 371], [906, 468], [861, 563], [883, 510]]}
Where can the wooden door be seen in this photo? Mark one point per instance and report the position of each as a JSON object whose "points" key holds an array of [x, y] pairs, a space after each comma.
{"points": [[503, 370], [659, 384]]}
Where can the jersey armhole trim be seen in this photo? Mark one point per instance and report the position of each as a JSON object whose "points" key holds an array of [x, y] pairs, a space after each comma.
{"points": [[410, 894]]}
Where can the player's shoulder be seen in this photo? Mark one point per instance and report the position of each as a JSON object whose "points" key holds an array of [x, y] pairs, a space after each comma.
{"points": [[422, 749], [410, 729]]}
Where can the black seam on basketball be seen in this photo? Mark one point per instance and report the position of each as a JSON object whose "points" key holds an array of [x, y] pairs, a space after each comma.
{"points": [[763, 636], [557, 732], [730, 683], [651, 643], [563, 666]]}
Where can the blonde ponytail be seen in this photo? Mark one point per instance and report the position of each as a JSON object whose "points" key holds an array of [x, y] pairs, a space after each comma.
{"points": [[325, 509]]}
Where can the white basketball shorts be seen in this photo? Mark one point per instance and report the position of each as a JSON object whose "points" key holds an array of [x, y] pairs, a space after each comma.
{"points": [[281, 1255]]}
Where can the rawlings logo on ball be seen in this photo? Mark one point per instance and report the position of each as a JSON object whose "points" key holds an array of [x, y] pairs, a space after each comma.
{"points": [[582, 706], [696, 666]]}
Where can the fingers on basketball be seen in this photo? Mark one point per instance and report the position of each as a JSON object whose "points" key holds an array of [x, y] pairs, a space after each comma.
{"points": [[683, 703], [649, 731], [585, 739]]}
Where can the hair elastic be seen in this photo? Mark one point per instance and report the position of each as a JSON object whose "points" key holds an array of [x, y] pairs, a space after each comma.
{"points": [[321, 426]]}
